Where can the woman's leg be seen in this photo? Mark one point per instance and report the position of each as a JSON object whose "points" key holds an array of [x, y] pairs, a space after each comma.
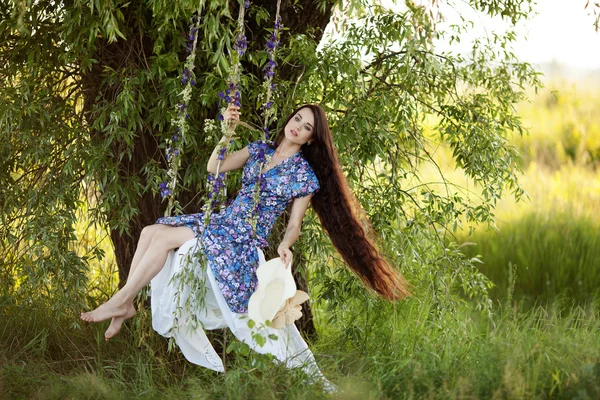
{"points": [[149, 265], [144, 243], [142, 246]]}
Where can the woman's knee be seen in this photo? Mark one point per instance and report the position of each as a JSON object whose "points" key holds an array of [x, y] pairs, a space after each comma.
{"points": [[149, 231], [168, 239]]}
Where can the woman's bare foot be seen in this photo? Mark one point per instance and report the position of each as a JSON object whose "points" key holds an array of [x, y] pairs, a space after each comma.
{"points": [[117, 322], [110, 309]]}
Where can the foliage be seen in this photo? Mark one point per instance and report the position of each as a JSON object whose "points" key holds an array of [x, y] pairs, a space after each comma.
{"points": [[377, 113], [81, 122]]}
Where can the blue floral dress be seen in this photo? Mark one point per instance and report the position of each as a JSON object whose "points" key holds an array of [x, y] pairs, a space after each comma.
{"points": [[229, 241]]}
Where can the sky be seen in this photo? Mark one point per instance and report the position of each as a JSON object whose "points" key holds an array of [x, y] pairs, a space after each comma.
{"points": [[562, 31]]}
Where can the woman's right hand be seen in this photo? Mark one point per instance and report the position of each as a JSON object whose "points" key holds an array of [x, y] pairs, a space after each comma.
{"points": [[232, 114]]}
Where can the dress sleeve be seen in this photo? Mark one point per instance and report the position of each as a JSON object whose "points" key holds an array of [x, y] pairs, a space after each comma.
{"points": [[253, 148], [306, 182]]}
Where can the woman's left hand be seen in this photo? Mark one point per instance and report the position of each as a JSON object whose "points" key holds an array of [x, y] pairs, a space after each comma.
{"points": [[286, 255]]}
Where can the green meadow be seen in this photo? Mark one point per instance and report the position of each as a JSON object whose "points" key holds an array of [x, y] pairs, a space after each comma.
{"points": [[541, 339], [549, 242]]}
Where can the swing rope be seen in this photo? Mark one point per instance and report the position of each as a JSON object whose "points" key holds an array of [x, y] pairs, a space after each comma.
{"points": [[269, 115], [190, 276], [175, 144]]}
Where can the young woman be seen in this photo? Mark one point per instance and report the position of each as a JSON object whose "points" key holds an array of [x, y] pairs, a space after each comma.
{"points": [[303, 168]]}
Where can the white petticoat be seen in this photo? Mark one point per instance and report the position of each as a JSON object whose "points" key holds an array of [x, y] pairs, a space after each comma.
{"points": [[289, 348]]}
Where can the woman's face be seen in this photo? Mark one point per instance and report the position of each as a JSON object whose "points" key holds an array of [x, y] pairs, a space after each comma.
{"points": [[299, 128]]}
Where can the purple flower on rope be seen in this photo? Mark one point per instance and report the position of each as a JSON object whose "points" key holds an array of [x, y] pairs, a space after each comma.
{"points": [[175, 137], [164, 190], [246, 4], [241, 44], [186, 75]]}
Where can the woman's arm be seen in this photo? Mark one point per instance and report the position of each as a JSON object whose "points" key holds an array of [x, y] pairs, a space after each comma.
{"points": [[292, 232], [234, 160], [231, 161]]}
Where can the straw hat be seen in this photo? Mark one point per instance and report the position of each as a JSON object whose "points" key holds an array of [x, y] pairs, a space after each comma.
{"points": [[276, 298]]}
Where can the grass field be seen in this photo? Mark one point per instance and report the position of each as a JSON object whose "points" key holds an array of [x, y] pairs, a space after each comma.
{"points": [[543, 352]]}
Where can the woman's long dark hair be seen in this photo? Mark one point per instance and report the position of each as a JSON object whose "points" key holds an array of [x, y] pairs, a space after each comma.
{"points": [[341, 215]]}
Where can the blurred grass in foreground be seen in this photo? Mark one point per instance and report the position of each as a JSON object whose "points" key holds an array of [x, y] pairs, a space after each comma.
{"points": [[385, 351]]}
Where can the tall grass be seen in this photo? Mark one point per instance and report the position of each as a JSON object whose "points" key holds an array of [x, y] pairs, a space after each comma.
{"points": [[550, 238], [384, 351], [563, 124], [553, 253]]}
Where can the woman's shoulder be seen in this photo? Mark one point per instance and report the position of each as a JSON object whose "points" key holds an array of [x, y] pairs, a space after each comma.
{"points": [[306, 180], [304, 162], [305, 169], [254, 147]]}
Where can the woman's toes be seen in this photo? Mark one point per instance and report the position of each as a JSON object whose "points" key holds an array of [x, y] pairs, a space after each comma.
{"points": [[117, 323]]}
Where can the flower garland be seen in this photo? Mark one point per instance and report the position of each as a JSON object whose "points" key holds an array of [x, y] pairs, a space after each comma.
{"points": [[232, 92], [174, 144], [269, 116], [190, 280]]}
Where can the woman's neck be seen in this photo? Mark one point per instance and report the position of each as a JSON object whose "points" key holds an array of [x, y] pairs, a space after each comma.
{"points": [[287, 149]]}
